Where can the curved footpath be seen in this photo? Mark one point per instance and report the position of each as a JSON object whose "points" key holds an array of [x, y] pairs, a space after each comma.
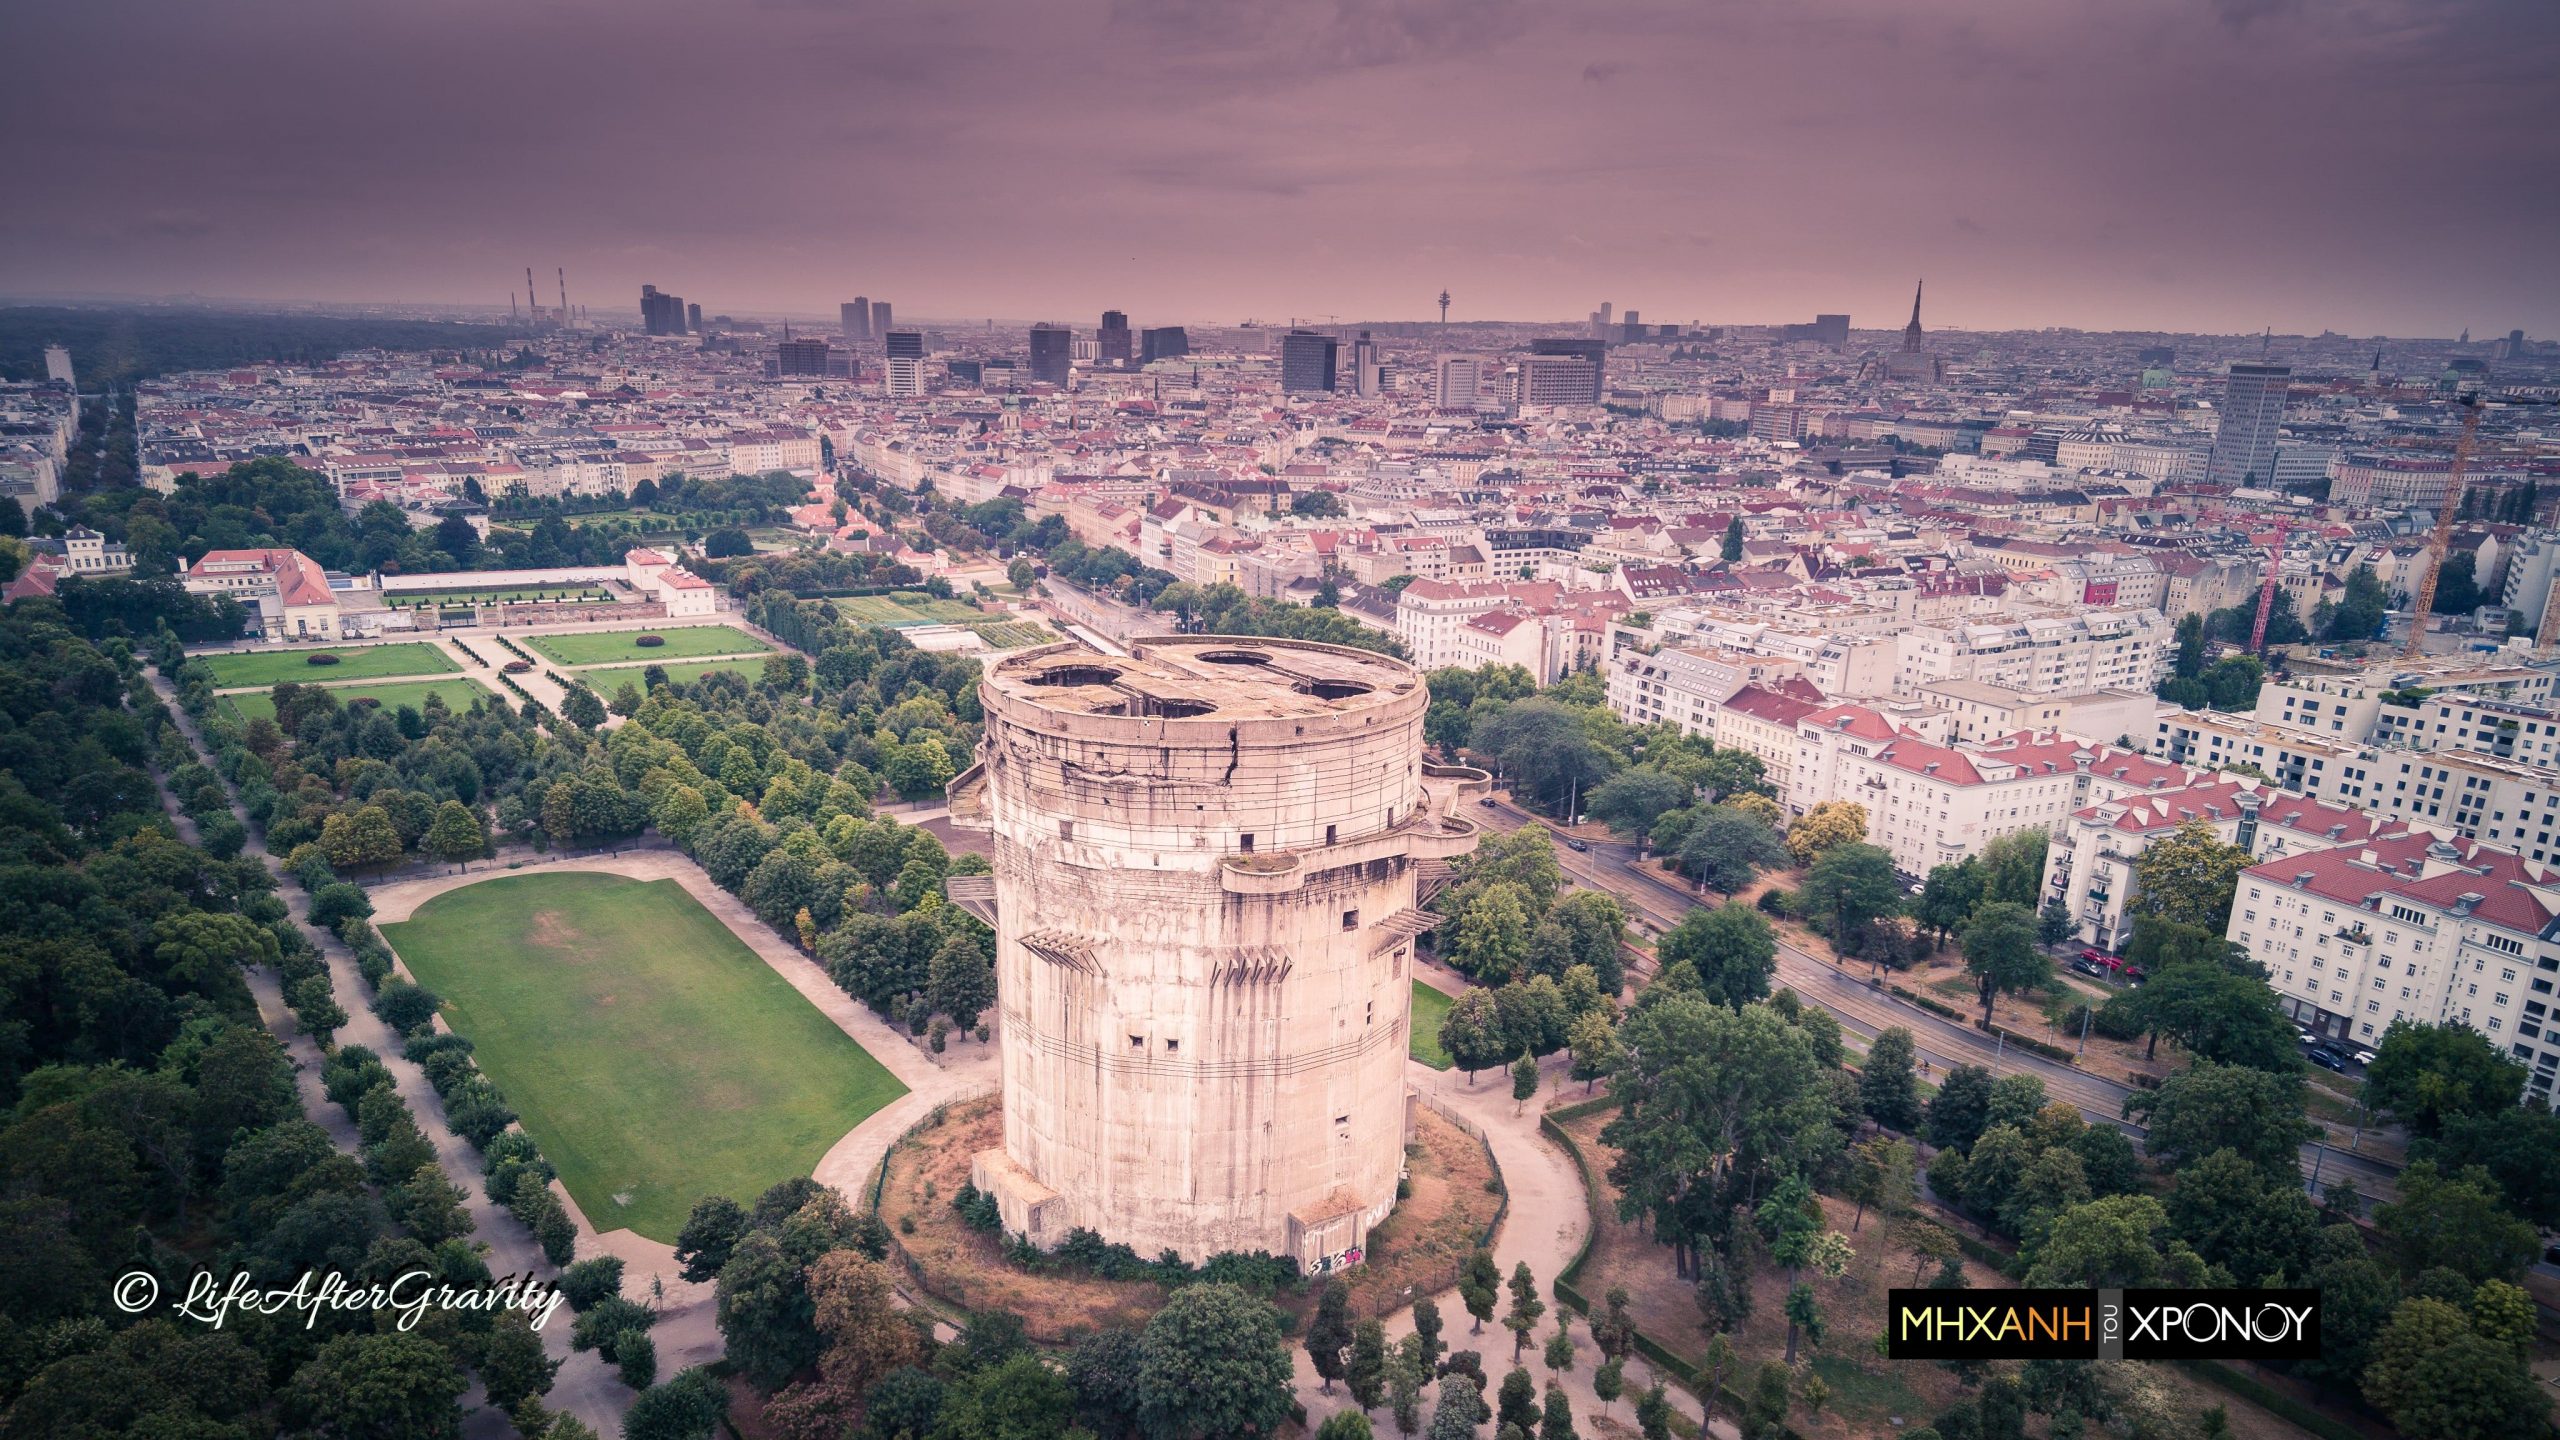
{"points": [[1545, 1226]]}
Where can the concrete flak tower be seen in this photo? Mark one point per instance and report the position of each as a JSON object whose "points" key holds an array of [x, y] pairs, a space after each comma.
{"points": [[1209, 860]]}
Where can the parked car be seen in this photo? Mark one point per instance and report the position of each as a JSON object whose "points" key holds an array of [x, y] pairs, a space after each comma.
{"points": [[1489, 803], [2364, 1057], [2090, 968], [2305, 1037], [1576, 843], [2328, 1059]]}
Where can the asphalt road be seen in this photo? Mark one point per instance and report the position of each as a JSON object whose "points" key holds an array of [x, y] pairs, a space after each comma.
{"points": [[1864, 1009]]}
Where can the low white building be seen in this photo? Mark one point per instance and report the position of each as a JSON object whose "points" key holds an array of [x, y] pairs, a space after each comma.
{"points": [[2090, 866], [2047, 654], [286, 589]]}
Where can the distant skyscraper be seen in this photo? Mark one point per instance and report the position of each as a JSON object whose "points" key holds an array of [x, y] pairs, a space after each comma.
{"points": [[806, 355], [2244, 449], [1461, 379], [854, 320], [693, 319], [1556, 380], [57, 365], [906, 362], [1052, 352], [1368, 377], [1163, 342], [1594, 351], [1307, 362], [909, 343], [661, 314], [1113, 342], [879, 318]]}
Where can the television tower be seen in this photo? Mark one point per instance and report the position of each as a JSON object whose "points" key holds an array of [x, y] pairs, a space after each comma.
{"points": [[1444, 307]]}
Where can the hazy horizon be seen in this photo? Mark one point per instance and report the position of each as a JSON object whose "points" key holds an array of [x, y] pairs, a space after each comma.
{"points": [[2198, 166]]}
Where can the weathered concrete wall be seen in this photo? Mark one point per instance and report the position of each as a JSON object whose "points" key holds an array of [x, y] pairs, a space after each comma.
{"points": [[1205, 917]]}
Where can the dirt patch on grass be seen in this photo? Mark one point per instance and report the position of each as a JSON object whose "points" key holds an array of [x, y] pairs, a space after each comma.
{"points": [[1415, 1251]]}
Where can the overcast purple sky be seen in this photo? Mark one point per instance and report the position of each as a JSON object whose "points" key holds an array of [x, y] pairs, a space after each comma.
{"points": [[2371, 166]]}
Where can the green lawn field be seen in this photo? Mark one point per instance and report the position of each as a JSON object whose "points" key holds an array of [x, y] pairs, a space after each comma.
{"points": [[653, 1056], [681, 672], [364, 662], [458, 693], [882, 610], [1429, 1008], [683, 641]]}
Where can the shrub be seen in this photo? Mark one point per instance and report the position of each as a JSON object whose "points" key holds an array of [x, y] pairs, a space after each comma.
{"points": [[650, 642], [977, 1209], [404, 1006], [337, 900], [517, 667], [319, 657], [1777, 900], [590, 1281]]}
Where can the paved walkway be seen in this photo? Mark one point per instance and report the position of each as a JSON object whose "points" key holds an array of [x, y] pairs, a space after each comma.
{"points": [[1545, 1226], [586, 1386]]}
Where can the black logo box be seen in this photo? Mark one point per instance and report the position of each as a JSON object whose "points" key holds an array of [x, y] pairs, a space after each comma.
{"points": [[2102, 1324]]}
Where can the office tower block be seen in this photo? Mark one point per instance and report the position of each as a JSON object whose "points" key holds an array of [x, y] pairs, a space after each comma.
{"points": [[1594, 351], [854, 320], [693, 319], [1164, 342], [1556, 380], [879, 318], [806, 355], [1367, 376], [2244, 449], [1307, 362], [1113, 343], [57, 365], [663, 314], [1461, 379], [1052, 351]]}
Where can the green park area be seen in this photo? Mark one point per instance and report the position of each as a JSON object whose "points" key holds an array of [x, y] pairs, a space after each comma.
{"points": [[361, 662], [908, 608], [458, 693], [1430, 1007], [653, 1056], [682, 642], [682, 672]]}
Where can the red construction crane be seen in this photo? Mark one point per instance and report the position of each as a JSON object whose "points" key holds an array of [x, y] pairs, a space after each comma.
{"points": [[2267, 591]]}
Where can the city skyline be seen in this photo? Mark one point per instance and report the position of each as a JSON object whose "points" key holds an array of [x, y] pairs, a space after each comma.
{"points": [[2220, 168]]}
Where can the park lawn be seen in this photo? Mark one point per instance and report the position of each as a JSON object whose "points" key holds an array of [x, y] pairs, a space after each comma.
{"points": [[683, 642], [883, 610], [682, 672], [1013, 635], [363, 662], [1429, 1007], [458, 694], [652, 1055]]}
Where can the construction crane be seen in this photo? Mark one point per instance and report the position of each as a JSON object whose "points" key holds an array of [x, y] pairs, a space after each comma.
{"points": [[2443, 538], [2267, 591]]}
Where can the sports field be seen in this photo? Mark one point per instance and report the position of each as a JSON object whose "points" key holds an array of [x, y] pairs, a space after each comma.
{"points": [[653, 1056], [361, 662], [458, 693], [682, 672], [888, 610], [1429, 1008], [603, 647]]}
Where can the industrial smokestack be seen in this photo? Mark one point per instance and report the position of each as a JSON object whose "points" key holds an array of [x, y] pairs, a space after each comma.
{"points": [[532, 303], [564, 297]]}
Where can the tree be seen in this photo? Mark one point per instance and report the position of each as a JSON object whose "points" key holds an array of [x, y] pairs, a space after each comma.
{"points": [[1887, 1089], [1961, 1109], [2189, 876], [2206, 995], [963, 982], [1558, 1354], [2210, 1107], [1726, 849], [1948, 897], [1555, 1417], [1526, 1307], [2013, 867], [1827, 826], [455, 836], [1731, 949], [2433, 1374], [1851, 885], [1596, 1052], [2360, 614], [1731, 550], [1764, 1415], [1653, 1410], [1426, 1324], [1471, 1032], [1365, 1370], [2237, 1217], [1804, 1318], [1524, 1080], [513, 1366], [1594, 927], [2520, 1150], [1212, 1363], [1407, 1371], [2427, 1076], [1479, 1284], [2098, 1244], [360, 839], [1880, 1174], [764, 1312], [401, 1387], [1490, 938], [689, 1406], [1329, 1333], [2454, 1222], [1345, 1425], [1632, 800], [2000, 950], [1547, 749], [580, 707], [710, 1233]]}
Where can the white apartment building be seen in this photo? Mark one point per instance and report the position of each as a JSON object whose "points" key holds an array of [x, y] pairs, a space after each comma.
{"points": [[1761, 721], [1931, 804], [2292, 759], [1682, 686], [1985, 712], [2410, 925], [2090, 866], [1430, 613], [2052, 654]]}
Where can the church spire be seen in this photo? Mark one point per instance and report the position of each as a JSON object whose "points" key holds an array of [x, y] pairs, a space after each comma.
{"points": [[1911, 332]]}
